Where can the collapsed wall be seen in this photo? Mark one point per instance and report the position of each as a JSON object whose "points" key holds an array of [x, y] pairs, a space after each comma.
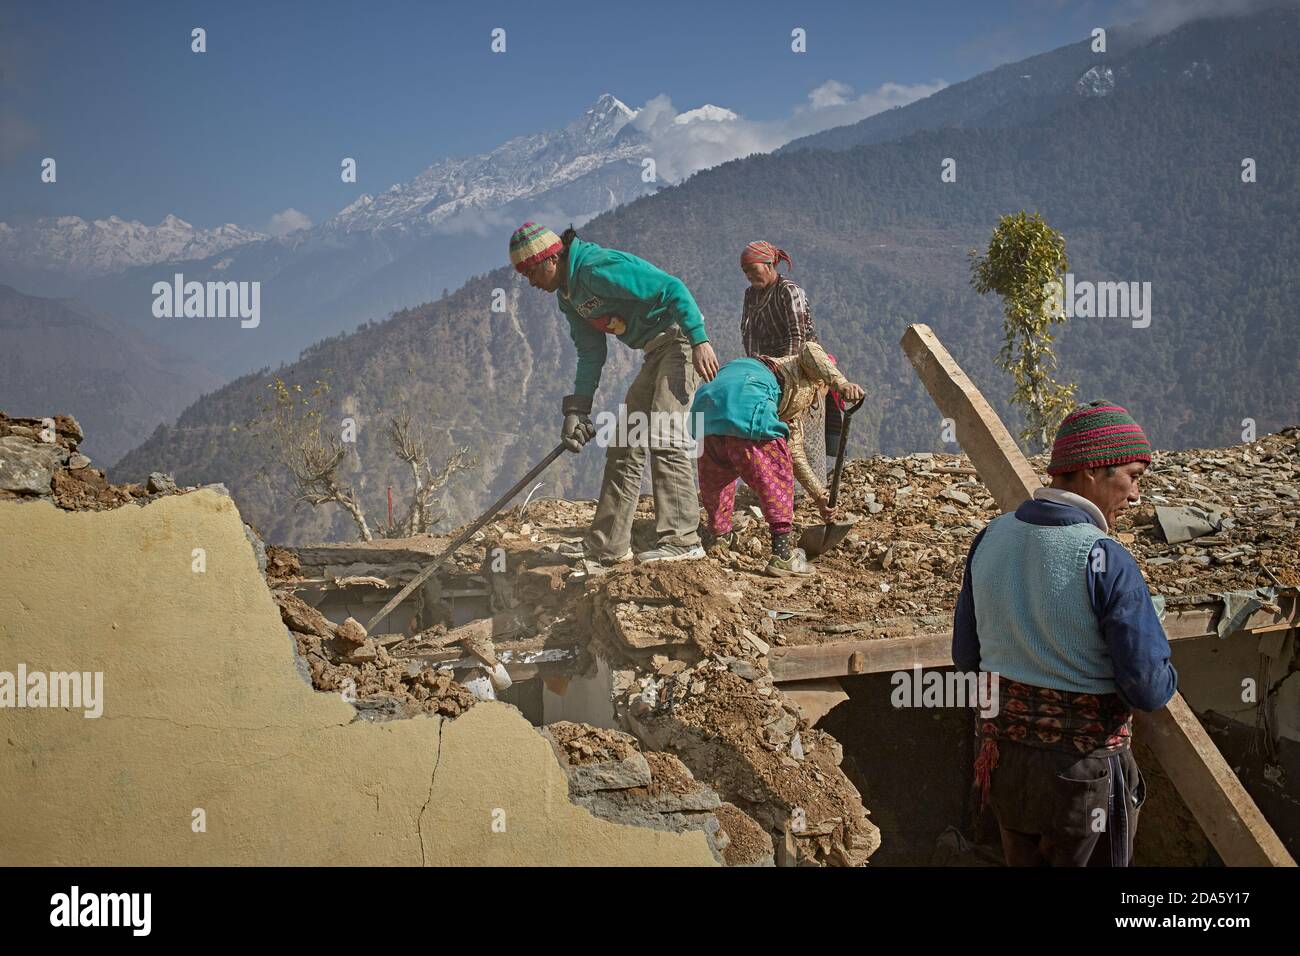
{"points": [[210, 747], [544, 613]]}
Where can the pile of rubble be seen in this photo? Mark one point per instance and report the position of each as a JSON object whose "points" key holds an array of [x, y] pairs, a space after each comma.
{"points": [[691, 676], [39, 460], [688, 643], [689, 680], [390, 676], [342, 658], [610, 776], [916, 516], [1250, 496]]}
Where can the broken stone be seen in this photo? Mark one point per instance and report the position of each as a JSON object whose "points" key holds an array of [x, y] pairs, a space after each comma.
{"points": [[953, 494], [159, 484], [78, 460], [670, 668], [614, 763], [351, 632], [782, 725], [744, 669], [755, 641], [299, 616], [69, 426], [28, 467], [368, 651]]}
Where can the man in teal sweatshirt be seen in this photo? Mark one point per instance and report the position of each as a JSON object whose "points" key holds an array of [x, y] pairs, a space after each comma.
{"points": [[606, 292]]}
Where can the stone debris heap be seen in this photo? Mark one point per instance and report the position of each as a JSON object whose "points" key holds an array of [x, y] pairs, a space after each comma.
{"points": [[610, 776], [39, 460]]}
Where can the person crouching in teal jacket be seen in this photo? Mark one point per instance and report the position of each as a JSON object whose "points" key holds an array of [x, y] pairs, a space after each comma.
{"points": [[605, 292], [750, 416]]}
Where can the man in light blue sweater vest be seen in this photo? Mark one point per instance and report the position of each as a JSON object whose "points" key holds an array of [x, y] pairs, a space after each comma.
{"points": [[1060, 612]]}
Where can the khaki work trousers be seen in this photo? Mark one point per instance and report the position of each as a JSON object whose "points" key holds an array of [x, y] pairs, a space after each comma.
{"points": [[666, 383]]}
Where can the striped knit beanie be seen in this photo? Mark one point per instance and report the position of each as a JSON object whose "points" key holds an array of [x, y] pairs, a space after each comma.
{"points": [[531, 243], [1100, 433]]}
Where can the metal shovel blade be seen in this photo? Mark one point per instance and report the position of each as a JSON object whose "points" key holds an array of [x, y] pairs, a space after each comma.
{"points": [[821, 538]]}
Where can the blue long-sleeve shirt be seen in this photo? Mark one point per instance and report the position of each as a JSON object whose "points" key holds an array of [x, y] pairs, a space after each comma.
{"points": [[1135, 640]]}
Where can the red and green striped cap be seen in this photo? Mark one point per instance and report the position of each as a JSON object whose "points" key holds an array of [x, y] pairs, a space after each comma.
{"points": [[1101, 433], [530, 244]]}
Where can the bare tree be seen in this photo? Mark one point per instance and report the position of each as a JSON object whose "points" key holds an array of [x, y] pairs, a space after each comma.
{"points": [[410, 443], [292, 424], [314, 464]]}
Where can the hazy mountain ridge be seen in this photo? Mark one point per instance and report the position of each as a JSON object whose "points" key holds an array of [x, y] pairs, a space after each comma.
{"points": [[70, 248], [56, 358], [398, 248]]}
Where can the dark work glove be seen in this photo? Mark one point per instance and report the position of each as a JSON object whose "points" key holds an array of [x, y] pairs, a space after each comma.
{"points": [[577, 429]]}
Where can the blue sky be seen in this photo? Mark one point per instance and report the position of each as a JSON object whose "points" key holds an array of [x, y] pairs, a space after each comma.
{"points": [[140, 126]]}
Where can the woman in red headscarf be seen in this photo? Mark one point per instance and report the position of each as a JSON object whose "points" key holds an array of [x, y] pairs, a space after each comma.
{"points": [[776, 321]]}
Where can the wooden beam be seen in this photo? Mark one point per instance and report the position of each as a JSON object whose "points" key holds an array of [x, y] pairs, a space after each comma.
{"points": [[934, 649], [846, 658], [1222, 807], [980, 432]]}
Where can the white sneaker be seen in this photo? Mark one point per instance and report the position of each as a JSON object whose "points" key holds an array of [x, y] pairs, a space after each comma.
{"points": [[671, 552]]}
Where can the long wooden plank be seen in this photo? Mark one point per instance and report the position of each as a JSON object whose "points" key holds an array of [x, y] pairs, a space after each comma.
{"points": [[1201, 775], [885, 655], [846, 658], [1221, 805], [981, 434]]}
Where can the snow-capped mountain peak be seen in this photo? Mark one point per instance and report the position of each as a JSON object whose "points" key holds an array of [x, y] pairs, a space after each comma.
{"points": [[707, 113], [605, 117], [519, 168], [85, 248]]}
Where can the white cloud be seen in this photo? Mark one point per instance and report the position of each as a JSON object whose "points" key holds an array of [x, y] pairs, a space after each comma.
{"points": [[830, 93], [680, 149], [286, 221]]}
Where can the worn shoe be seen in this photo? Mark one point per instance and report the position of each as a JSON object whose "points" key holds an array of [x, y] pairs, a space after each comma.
{"points": [[577, 551], [725, 542], [671, 552], [794, 566]]}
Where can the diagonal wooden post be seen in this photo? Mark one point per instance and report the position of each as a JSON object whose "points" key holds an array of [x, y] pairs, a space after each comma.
{"points": [[1221, 805]]}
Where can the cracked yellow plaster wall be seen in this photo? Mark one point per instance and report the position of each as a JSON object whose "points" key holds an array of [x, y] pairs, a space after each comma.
{"points": [[204, 709]]}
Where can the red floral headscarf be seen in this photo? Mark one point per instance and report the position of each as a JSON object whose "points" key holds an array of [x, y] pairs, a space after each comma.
{"points": [[763, 251]]}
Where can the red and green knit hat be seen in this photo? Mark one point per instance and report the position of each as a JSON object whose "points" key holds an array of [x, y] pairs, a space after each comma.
{"points": [[1101, 433], [530, 244]]}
